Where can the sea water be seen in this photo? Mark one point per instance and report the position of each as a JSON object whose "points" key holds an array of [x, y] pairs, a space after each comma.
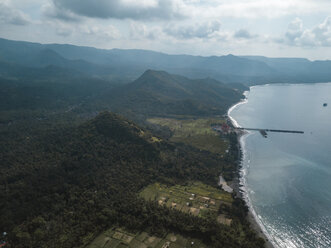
{"points": [[287, 177]]}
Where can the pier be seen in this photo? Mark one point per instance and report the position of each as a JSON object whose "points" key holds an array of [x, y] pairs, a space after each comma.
{"points": [[263, 132]]}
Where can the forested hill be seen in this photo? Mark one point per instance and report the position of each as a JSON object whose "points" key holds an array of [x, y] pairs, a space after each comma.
{"points": [[63, 186], [158, 93], [47, 93]]}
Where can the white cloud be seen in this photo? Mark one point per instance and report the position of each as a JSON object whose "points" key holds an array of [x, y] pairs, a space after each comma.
{"points": [[255, 9], [176, 26], [139, 31], [50, 10], [10, 15], [200, 30], [108, 32], [322, 33], [295, 30], [319, 35], [244, 34]]}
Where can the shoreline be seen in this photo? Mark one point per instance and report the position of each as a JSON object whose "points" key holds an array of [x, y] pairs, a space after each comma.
{"points": [[237, 183]]}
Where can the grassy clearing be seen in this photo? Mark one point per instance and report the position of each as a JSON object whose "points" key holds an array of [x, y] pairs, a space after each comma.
{"points": [[195, 132], [119, 238], [195, 198]]}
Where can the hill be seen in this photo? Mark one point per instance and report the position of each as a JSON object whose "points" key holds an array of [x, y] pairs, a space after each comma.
{"points": [[60, 187], [11, 70], [48, 94], [158, 93]]}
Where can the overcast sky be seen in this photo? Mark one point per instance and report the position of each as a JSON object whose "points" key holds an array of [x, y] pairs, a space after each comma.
{"points": [[274, 28]]}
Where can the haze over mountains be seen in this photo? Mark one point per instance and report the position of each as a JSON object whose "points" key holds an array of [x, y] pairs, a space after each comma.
{"points": [[130, 64]]}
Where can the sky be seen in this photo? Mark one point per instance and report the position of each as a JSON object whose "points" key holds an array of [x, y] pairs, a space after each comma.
{"points": [[273, 28]]}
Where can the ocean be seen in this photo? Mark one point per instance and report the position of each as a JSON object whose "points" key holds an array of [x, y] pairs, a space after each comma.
{"points": [[287, 177]]}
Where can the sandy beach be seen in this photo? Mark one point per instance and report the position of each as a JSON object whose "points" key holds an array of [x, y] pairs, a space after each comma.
{"points": [[236, 184], [237, 187]]}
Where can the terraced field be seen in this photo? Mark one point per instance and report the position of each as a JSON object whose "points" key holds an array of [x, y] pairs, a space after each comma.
{"points": [[119, 238], [195, 198]]}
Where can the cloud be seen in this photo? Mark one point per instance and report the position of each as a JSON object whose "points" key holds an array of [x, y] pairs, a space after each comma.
{"points": [[140, 31], [254, 9], [294, 30], [9, 15], [108, 32], [86, 29], [321, 33], [175, 9], [244, 34], [318, 36], [121, 9], [198, 30], [51, 11]]}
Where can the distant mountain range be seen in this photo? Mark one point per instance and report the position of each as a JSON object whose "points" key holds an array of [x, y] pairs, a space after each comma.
{"points": [[129, 64]]}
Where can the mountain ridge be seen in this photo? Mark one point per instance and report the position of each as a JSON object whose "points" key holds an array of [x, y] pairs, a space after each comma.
{"points": [[133, 62]]}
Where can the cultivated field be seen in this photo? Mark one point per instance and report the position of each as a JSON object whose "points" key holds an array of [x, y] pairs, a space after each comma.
{"points": [[195, 198], [195, 132], [119, 238]]}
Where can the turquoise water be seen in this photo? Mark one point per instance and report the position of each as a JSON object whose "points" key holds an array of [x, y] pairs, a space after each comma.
{"points": [[287, 177]]}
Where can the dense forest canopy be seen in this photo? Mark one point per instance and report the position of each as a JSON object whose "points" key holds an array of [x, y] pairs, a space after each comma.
{"points": [[155, 93], [68, 183]]}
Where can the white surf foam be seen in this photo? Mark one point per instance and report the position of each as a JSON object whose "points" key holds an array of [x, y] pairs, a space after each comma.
{"points": [[245, 163]]}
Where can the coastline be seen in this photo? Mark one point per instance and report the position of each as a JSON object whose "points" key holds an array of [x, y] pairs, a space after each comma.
{"points": [[238, 184]]}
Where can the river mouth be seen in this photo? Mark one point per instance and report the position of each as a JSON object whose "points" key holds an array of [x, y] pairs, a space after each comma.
{"points": [[284, 177]]}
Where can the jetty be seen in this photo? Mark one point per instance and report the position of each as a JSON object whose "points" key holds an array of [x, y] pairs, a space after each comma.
{"points": [[263, 132], [226, 129]]}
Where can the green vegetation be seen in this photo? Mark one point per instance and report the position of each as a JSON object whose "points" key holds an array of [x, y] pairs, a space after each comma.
{"points": [[49, 96], [70, 171], [70, 176], [115, 238], [195, 132], [63, 185]]}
